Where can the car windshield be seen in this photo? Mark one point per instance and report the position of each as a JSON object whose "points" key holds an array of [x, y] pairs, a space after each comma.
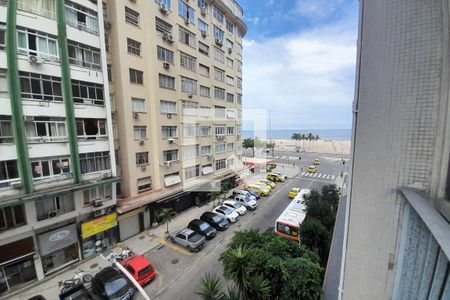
{"points": [[113, 287], [227, 210], [237, 205], [191, 235], [216, 218], [145, 271], [247, 198], [203, 226]]}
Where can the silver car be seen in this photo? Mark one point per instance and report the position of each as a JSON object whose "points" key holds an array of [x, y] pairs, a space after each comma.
{"points": [[188, 239], [241, 210]]}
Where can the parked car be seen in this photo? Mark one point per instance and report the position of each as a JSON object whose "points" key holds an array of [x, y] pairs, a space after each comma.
{"points": [[269, 183], [312, 169], [140, 268], [215, 220], [77, 292], [246, 201], [259, 189], [188, 239], [281, 174], [253, 193], [111, 284], [238, 207], [245, 193], [293, 192], [275, 177], [316, 161], [230, 214], [202, 228]]}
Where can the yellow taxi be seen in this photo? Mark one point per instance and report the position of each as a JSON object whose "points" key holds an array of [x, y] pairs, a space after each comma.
{"points": [[312, 169], [316, 161], [268, 182], [275, 177], [293, 192], [259, 189]]}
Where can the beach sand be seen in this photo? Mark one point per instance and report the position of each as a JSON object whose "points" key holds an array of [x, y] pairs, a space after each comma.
{"points": [[320, 146]]}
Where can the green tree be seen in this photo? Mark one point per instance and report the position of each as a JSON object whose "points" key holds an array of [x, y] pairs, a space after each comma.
{"points": [[249, 143], [305, 280], [233, 294], [211, 288], [167, 214], [315, 236], [330, 194], [271, 146], [296, 137], [258, 288], [319, 209], [238, 267]]}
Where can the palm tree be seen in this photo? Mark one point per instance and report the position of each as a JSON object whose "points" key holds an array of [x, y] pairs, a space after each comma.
{"points": [[303, 137], [238, 267], [310, 138], [211, 288], [249, 143], [167, 214], [271, 146], [296, 137], [233, 294], [258, 288]]}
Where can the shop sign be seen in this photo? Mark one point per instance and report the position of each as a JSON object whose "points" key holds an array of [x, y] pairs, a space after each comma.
{"points": [[98, 225], [57, 239]]}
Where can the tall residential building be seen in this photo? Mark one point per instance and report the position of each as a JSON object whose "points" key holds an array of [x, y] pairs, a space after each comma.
{"points": [[176, 81], [57, 167], [398, 240]]}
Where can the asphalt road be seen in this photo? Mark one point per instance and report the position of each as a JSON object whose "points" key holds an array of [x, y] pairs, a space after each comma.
{"points": [[179, 272]]}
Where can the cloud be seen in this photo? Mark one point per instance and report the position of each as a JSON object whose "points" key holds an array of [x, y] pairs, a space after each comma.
{"points": [[254, 20], [306, 79], [316, 9]]}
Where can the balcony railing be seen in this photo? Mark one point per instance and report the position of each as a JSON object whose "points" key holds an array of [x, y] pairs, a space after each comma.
{"points": [[37, 9]]}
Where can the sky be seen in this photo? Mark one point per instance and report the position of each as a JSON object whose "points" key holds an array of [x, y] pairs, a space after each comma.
{"points": [[299, 62]]}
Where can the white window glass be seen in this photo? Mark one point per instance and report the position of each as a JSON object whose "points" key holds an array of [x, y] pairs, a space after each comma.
{"points": [[203, 48], [140, 132], [190, 130], [202, 25], [205, 91], [220, 129], [191, 151], [219, 112], [219, 74], [188, 85], [189, 108], [217, 14], [229, 63], [166, 82], [203, 70], [187, 37], [165, 55], [186, 12], [192, 172], [169, 132], [138, 104], [220, 164], [218, 33], [220, 148], [219, 93], [219, 55], [230, 130], [230, 26], [144, 183], [168, 107], [205, 130], [206, 150], [187, 61]]}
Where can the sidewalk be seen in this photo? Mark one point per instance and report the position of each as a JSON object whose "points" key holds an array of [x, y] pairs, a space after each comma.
{"points": [[140, 244]]}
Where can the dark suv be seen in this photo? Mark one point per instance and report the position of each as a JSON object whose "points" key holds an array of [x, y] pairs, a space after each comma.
{"points": [[112, 285], [203, 228], [215, 220]]}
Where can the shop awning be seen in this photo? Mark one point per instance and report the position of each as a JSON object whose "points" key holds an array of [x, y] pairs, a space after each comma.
{"points": [[207, 170], [170, 180]]}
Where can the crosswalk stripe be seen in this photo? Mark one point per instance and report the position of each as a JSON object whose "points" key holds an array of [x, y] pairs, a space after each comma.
{"points": [[319, 175], [303, 174], [315, 174], [328, 176], [332, 177]]}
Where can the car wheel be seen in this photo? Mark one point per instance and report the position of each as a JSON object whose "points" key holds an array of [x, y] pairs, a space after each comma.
{"points": [[190, 249], [229, 220], [87, 278]]}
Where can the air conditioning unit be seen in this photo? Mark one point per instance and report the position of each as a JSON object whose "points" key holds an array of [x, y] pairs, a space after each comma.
{"points": [[219, 42], [33, 59], [107, 24], [170, 140], [16, 184], [190, 95], [186, 21], [167, 163], [168, 37], [163, 8], [135, 115], [166, 65], [141, 142], [220, 136], [52, 213], [97, 202], [204, 11], [143, 168], [169, 116], [230, 50], [204, 33]]}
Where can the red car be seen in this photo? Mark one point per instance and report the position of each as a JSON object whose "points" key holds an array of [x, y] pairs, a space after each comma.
{"points": [[140, 268]]}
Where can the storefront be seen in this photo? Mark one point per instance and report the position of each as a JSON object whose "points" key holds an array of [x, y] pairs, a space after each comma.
{"points": [[16, 264], [131, 223], [98, 234], [58, 248]]}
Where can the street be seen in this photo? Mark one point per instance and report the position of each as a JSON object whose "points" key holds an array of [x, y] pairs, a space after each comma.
{"points": [[179, 271]]}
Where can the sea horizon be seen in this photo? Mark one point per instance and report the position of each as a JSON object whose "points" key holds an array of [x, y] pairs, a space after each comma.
{"points": [[286, 134]]}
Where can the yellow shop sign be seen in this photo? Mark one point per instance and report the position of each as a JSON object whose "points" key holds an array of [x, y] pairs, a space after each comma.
{"points": [[98, 225]]}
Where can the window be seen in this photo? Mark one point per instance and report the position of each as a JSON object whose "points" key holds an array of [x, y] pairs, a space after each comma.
{"points": [[49, 167], [165, 55], [218, 15], [205, 111], [168, 107], [188, 85], [220, 129], [81, 18], [163, 27], [205, 130], [138, 105], [239, 82], [189, 108], [2, 35], [101, 192], [230, 80], [239, 114], [205, 91], [8, 171], [230, 162], [206, 150], [229, 45], [218, 33], [229, 63], [169, 132], [140, 132], [219, 55], [230, 146], [109, 70], [46, 129], [230, 130], [220, 164], [170, 155], [239, 99], [134, 47], [141, 158], [219, 112], [84, 56], [230, 26], [238, 130], [186, 12], [12, 216], [131, 16], [230, 98], [3, 84], [203, 48], [167, 3], [115, 130], [219, 74], [202, 26], [87, 93], [240, 33], [191, 172], [58, 204], [187, 37], [144, 184], [172, 179], [187, 61], [6, 134], [219, 93], [136, 76], [239, 66], [239, 49], [106, 43], [190, 130], [166, 82], [94, 162], [40, 87], [191, 151], [203, 70]]}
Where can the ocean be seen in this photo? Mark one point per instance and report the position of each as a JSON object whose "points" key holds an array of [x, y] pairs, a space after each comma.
{"points": [[324, 134]]}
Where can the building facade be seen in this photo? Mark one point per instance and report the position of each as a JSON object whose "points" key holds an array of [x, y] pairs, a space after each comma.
{"points": [[398, 235], [176, 80], [57, 164]]}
